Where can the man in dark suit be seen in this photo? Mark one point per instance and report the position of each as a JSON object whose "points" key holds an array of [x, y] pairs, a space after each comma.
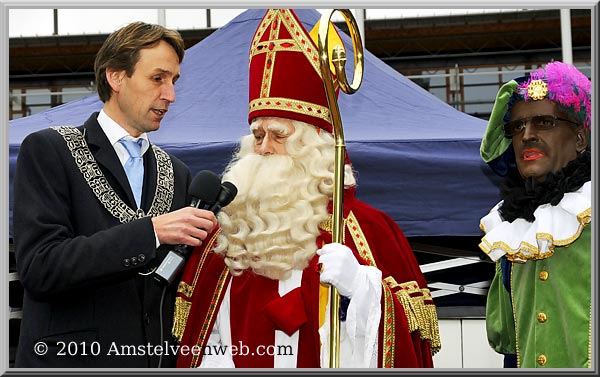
{"points": [[86, 242]]}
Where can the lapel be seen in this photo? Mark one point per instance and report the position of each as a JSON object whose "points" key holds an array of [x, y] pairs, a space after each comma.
{"points": [[107, 159]]}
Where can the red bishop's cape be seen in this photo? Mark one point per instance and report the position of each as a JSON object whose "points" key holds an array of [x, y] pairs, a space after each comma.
{"points": [[408, 329]]}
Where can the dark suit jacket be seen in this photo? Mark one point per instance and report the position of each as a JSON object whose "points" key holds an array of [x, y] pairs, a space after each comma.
{"points": [[79, 264]]}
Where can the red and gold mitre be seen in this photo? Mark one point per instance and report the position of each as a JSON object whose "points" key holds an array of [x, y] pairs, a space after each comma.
{"points": [[285, 76]]}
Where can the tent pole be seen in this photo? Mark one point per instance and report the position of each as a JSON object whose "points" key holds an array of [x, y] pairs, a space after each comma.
{"points": [[360, 15], [565, 34], [162, 17]]}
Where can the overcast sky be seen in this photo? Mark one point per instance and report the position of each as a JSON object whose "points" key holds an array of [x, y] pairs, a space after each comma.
{"points": [[32, 22]]}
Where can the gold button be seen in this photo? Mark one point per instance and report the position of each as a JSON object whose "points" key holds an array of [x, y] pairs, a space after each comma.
{"points": [[544, 275], [542, 317], [542, 359]]}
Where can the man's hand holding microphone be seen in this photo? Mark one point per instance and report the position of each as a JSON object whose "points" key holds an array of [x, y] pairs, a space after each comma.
{"points": [[188, 227]]}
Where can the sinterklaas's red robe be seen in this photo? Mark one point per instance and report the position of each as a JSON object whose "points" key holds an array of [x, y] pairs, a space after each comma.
{"points": [[408, 328]]}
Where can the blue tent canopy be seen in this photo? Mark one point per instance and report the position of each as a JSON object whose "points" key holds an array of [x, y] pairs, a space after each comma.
{"points": [[417, 158]]}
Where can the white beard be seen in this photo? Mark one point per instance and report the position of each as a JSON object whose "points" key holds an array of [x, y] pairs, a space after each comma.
{"points": [[272, 225]]}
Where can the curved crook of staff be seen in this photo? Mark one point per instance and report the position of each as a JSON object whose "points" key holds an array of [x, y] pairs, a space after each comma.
{"points": [[339, 61]]}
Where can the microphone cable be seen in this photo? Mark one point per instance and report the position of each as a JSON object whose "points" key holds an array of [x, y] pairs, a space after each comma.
{"points": [[160, 319], [225, 195]]}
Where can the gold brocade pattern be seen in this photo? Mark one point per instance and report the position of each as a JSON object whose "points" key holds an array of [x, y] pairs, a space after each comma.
{"points": [[185, 289], [420, 315], [85, 161], [267, 78], [210, 314], [518, 256], [362, 245], [537, 240], [431, 321], [412, 305], [327, 226], [208, 249], [182, 311], [417, 302], [527, 251], [389, 319], [298, 41], [182, 306], [585, 217], [302, 40], [275, 46], [288, 104], [260, 30]]}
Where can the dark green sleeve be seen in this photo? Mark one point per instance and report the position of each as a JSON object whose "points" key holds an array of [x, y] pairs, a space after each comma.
{"points": [[500, 325]]}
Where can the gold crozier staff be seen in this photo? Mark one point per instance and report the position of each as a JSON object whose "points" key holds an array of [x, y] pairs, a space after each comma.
{"points": [[339, 61]]}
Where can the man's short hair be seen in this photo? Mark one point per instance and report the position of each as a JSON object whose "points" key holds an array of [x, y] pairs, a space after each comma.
{"points": [[121, 51]]}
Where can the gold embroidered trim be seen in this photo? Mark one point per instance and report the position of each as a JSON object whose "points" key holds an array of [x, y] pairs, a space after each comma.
{"points": [[411, 309], [182, 306], [533, 250], [260, 30], [327, 226], [514, 313], [277, 45], [419, 310], [417, 303], [208, 249], [210, 314], [270, 61], [389, 319], [518, 256], [360, 240], [182, 311], [85, 161], [431, 320], [585, 217], [302, 39], [301, 42], [185, 289], [293, 105], [267, 78]]}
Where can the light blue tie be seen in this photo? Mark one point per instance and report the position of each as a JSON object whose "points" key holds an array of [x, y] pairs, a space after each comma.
{"points": [[134, 167]]}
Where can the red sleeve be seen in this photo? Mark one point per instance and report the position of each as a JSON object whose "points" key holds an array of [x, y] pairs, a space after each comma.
{"points": [[408, 333]]}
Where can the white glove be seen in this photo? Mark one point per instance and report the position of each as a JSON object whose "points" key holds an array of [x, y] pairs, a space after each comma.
{"points": [[339, 267]]}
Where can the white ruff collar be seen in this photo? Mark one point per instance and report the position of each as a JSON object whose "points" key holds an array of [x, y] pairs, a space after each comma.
{"points": [[521, 240]]}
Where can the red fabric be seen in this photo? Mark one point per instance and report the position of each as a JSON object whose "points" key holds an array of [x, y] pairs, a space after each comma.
{"points": [[291, 74], [309, 356], [393, 256], [254, 300], [203, 298], [287, 312], [249, 296]]}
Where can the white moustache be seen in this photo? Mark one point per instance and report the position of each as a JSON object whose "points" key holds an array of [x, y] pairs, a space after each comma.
{"points": [[261, 177]]}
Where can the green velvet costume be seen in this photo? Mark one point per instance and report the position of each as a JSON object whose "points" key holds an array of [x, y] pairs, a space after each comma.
{"points": [[539, 303]]}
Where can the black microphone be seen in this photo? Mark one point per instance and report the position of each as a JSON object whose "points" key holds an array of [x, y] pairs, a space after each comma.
{"points": [[226, 196], [204, 190]]}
